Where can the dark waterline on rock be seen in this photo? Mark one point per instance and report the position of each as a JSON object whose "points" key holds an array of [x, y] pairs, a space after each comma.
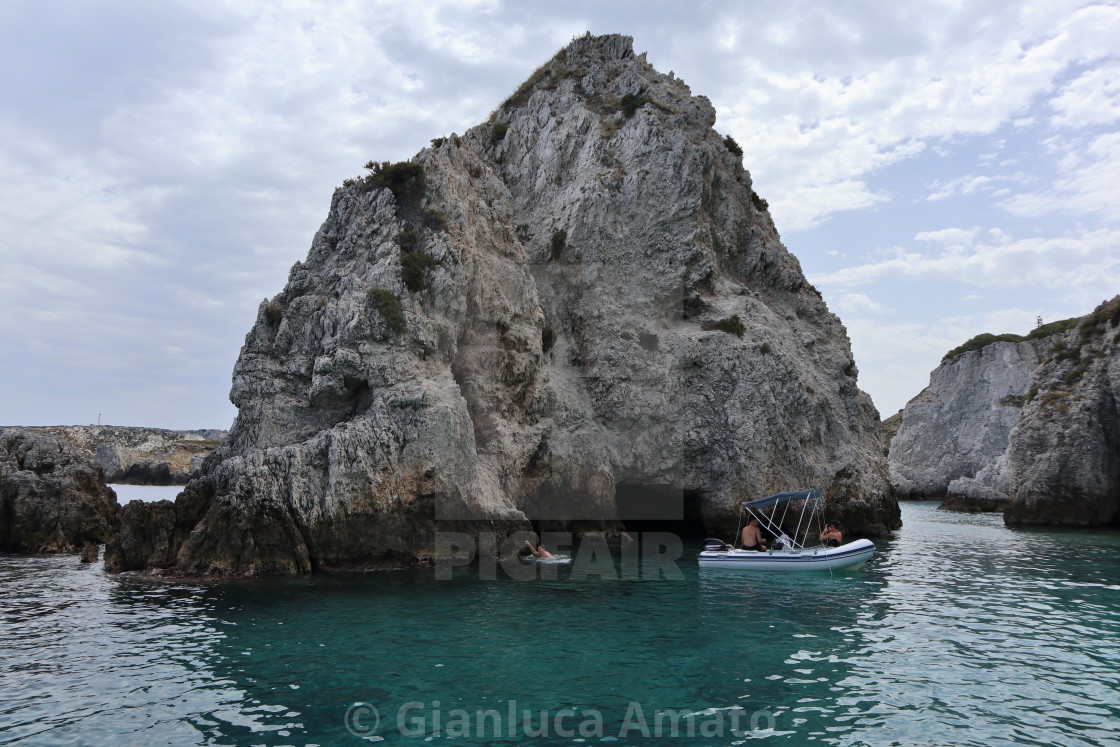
{"points": [[960, 631]]}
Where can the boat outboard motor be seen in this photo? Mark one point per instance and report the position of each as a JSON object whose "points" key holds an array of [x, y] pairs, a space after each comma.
{"points": [[715, 545]]}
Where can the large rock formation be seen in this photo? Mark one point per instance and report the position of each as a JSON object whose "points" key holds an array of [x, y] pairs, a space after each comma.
{"points": [[140, 456], [1063, 461], [961, 423], [51, 498], [1030, 428], [546, 323]]}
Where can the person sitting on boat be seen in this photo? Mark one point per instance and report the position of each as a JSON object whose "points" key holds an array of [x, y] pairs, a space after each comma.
{"points": [[831, 536], [539, 552], [752, 537]]}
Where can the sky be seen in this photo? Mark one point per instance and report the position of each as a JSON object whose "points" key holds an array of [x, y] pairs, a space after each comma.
{"points": [[939, 168]]}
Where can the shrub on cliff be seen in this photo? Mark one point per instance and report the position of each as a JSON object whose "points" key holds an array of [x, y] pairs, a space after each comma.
{"points": [[631, 103], [985, 339], [731, 145], [404, 179], [414, 269], [980, 342], [273, 312], [1052, 328], [389, 307], [559, 241], [732, 325]]}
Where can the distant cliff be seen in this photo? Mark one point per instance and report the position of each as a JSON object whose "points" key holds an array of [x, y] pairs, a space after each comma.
{"points": [[961, 423], [140, 456], [1030, 428], [545, 323]]}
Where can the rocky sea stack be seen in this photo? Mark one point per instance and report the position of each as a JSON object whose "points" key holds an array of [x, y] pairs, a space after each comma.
{"points": [[575, 316], [1030, 427], [52, 499]]}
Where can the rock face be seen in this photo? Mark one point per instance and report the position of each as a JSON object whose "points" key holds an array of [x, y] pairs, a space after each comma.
{"points": [[573, 307], [961, 423], [1064, 457], [140, 456], [51, 498], [1046, 447], [889, 429]]}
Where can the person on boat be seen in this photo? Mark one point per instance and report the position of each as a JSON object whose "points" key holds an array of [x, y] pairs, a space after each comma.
{"points": [[831, 536], [752, 536], [539, 552]]}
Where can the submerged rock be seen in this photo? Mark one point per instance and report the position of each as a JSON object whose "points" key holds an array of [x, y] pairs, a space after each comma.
{"points": [[51, 498], [969, 495], [579, 301], [90, 552]]}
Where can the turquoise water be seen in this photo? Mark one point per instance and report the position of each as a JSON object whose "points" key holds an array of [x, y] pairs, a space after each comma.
{"points": [[960, 632]]}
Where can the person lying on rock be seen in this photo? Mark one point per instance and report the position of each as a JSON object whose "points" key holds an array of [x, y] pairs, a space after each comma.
{"points": [[540, 552], [831, 536], [752, 537]]}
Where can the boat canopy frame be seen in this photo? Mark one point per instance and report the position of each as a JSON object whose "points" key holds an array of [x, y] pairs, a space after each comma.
{"points": [[812, 505]]}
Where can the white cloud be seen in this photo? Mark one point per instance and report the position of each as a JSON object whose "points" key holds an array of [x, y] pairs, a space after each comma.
{"points": [[949, 237], [1091, 99], [843, 114], [1085, 263], [858, 303], [1088, 184]]}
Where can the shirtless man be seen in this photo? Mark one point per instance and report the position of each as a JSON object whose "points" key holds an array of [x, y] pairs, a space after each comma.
{"points": [[539, 551], [831, 536], [752, 536]]}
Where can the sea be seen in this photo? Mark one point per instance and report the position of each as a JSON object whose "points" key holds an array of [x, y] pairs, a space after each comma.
{"points": [[960, 631]]}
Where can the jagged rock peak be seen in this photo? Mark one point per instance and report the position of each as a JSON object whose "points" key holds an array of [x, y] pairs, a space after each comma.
{"points": [[571, 310]]}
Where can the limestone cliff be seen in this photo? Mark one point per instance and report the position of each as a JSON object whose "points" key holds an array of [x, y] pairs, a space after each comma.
{"points": [[541, 324], [140, 456], [1030, 428], [51, 498], [1063, 460], [961, 423]]}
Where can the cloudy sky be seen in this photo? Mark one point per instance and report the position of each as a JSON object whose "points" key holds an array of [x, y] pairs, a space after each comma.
{"points": [[940, 169]]}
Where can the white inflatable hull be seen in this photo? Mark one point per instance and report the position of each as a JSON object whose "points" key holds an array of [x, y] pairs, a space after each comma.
{"points": [[848, 555]]}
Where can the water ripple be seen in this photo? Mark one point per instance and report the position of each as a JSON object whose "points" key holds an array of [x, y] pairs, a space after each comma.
{"points": [[959, 632]]}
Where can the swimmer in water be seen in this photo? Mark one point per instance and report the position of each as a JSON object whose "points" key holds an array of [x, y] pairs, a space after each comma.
{"points": [[540, 553]]}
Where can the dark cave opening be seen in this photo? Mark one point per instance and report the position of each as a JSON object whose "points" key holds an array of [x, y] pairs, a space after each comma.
{"points": [[652, 507]]}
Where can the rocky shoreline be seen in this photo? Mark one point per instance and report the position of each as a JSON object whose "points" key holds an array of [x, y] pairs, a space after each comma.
{"points": [[52, 499], [140, 456]]}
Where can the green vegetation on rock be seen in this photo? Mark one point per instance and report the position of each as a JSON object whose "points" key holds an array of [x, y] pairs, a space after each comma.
{"points": [[732, 325], [414, 269], [985, 339], [559, 241], [404, 179], [389, 307], [631, 103]]}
